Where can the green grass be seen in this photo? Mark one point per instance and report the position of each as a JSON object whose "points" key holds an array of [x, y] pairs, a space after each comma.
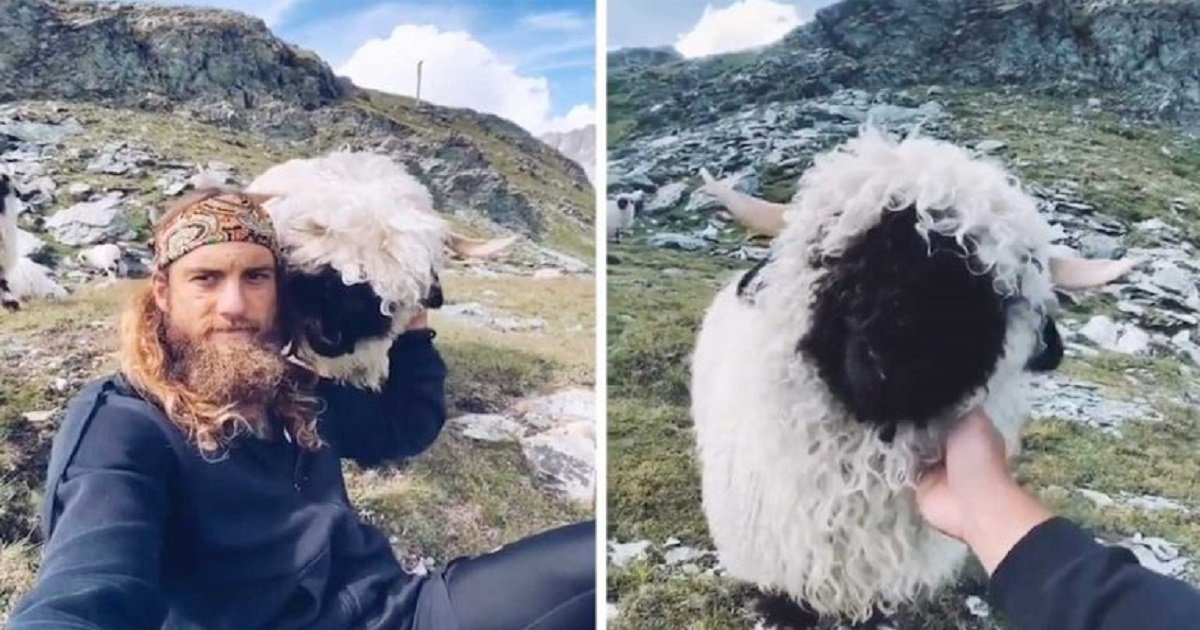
{"points": [[652, 322], [1127, 170]]}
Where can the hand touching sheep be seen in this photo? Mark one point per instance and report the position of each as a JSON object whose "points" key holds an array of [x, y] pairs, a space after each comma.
{"points": [[1045, 571]]}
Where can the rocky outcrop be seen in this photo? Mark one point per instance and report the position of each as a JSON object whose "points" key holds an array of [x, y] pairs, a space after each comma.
{"points": [[1143, 55], [578, 144], [221, 63]]}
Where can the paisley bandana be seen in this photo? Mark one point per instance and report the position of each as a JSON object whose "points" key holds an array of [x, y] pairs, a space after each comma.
{"points": [[222, 219]]}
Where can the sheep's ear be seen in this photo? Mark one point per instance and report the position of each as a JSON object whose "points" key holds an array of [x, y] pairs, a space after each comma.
{"points": [[479, 248], [1082, 273], [902, 329], [756, 215]]}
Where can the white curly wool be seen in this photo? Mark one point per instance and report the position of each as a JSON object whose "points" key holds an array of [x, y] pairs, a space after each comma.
{"points": [[9, 251], [800, 497], [365, 216], [27, 279]]}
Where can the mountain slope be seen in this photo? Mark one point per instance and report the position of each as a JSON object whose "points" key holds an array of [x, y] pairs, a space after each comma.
{"points": [[226, 70], [1142, 54], [577, 144]]}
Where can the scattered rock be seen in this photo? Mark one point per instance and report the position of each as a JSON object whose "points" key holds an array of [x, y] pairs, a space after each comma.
{"points": [[989, 146], [90, 222], [563, 407], [1100, 246], [1152, 503], [41, 133], [564, 459], [38, 417], [479, 315], [79, 190], [1054, 396], [1116, 337], [677, 241], [488, 427], [622, 554], [667, 197], [121, 159], [1099, 498], [1158, 555], [680, 555]]}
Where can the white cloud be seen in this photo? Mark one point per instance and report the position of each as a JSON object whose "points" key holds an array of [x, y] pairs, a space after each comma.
{"points": [[555, 21], [336, 37], [744, 24], [458, 71], [578, 117]]}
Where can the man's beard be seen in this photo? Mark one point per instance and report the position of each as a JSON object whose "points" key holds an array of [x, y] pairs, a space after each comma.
{"points": [[244, 373]]}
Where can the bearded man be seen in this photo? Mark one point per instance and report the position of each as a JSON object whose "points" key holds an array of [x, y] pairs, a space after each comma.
{"points": [[201, 486]]}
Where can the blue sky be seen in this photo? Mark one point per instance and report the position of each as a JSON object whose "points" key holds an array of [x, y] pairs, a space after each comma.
{"points": [[532, 61], [666, 22]]}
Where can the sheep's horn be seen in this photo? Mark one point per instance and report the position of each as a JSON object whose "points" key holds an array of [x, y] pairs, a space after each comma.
{"points": [[479, 248], [756, 215], [1083, 273], [259, 198]]}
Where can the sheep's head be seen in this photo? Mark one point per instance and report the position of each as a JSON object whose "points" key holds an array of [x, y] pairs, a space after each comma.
{"points": [[630, 204], [363, 250], [930, 278]]}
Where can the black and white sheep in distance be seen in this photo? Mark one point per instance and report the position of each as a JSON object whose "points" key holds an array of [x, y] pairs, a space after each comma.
{"points": [[363, 247], [907, 283], [622, 211], [10, 207]]}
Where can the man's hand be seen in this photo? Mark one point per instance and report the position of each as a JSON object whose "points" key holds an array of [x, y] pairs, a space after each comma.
{"points": [[970, 495], [419, 322]]}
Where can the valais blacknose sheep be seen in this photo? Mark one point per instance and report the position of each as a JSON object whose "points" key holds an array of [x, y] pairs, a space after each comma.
{"points": [[907, 282], [20, 277], [363, 247], [621, 214], [9, 208]]}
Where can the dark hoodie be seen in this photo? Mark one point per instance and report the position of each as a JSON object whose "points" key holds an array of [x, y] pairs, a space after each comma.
{"points": [[143, 532]]}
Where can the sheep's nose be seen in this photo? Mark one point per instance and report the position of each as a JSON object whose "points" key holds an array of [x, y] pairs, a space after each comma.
{"points": [[621, 203]]}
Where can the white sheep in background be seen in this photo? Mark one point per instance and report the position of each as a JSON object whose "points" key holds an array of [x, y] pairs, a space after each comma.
{"points": [[621, 213], [10, 207], [20, 277], [106, 257], [826, 377], [363, 246]]}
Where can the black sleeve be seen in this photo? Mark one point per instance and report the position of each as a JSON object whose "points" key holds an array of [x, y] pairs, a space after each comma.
{"points": [[403, 418], [1058, 578], [100, 564]]}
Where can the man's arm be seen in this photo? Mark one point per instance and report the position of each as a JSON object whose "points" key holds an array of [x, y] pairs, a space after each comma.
{"points": [[100, 564], [401, 420], [1046, 572], [1058, 577]]}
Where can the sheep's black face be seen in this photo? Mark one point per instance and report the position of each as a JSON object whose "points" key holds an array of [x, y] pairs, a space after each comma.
{"points": [[435, 298], [332, 316], [626, 202], [902, 331], [1051, 353]]}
